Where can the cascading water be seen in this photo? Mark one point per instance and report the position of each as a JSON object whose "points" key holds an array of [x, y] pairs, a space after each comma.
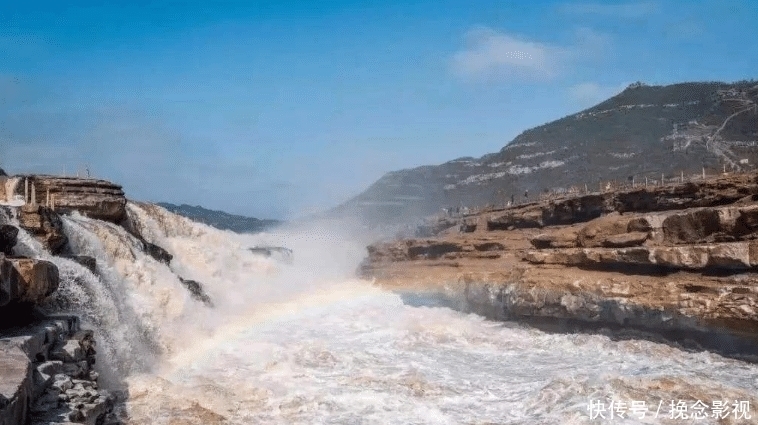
{"points": [[10, 188], [306, 343]]}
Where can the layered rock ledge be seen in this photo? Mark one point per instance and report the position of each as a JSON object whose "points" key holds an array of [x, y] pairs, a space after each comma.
{"points": [[93, 198], [679, 262]]}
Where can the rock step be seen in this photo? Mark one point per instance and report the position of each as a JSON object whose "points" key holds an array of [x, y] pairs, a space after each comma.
{"points": [[46, 376], [98, 199], [736, 256], [26, 280]]}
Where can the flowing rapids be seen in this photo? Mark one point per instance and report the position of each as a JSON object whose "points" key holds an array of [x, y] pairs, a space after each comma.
{"points": [[306, 343]]}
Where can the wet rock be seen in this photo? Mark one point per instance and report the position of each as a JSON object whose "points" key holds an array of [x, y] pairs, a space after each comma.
{"points": [[15, 385], [26, 280], [86, 341], [196, 289], [8, 282], [157, 252], [36, 391], [69, 352], [37, 278], [45, 225], [43, 375], [48, 401], [89, 262], [62, 383], [8, 238]]}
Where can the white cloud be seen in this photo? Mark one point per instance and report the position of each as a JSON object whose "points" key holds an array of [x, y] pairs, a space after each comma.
{"points": [[589, 93], [492, 54], [488, 51], [631, 10]]}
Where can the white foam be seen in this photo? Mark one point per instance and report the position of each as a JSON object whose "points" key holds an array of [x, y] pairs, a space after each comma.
{"points": [[307, 343], [11, 199]]}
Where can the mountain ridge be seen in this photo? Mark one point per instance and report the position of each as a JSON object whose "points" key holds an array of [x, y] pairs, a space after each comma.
{"points": [[221, 219], [643, 131]]}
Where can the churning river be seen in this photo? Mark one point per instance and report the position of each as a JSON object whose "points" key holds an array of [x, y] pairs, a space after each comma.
{"points": [[306, 343]]}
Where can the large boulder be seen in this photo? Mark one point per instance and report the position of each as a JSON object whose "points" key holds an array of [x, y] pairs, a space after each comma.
{"points": [[516, 218], [624, 240], [158, 253], [196, 290], [8, 238], [706, 225], [575, 210], [36, 278], [26, 280], [691, 226], [15, 385], [563, 238], [45, 225], [596, 232], [90, 263]]}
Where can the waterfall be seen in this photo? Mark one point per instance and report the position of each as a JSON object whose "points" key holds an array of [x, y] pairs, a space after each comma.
{"points": [[11, 185], [306, 343]]}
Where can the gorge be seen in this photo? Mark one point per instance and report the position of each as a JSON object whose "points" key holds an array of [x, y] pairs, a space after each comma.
{"points": [[116, 334]]}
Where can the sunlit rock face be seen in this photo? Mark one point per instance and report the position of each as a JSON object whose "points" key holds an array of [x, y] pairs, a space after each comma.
{"points": [[44, 225], [93, 198], [681, 258], [26, 280]]}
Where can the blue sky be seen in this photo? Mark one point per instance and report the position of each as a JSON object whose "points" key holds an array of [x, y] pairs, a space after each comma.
{"points": [[278, 109]]}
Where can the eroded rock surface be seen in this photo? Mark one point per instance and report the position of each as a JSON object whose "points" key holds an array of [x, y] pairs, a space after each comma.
{"points": [[26, 280], [45, 225], [630, 259], [46, 376], [93, 198]]}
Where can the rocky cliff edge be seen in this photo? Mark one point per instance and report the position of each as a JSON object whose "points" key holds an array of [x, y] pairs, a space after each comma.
{"points": [[679, 261]]}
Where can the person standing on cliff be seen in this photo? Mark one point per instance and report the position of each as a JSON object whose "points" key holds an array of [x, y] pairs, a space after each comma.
{"points": [[526, 194]]}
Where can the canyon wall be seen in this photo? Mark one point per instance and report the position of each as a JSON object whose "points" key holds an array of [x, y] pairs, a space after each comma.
{"points": [[678, 261]]}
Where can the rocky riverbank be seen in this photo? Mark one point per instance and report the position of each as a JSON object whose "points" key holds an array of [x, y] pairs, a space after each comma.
{"points": [[46, 375], [46, 359], [678, 262]]}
